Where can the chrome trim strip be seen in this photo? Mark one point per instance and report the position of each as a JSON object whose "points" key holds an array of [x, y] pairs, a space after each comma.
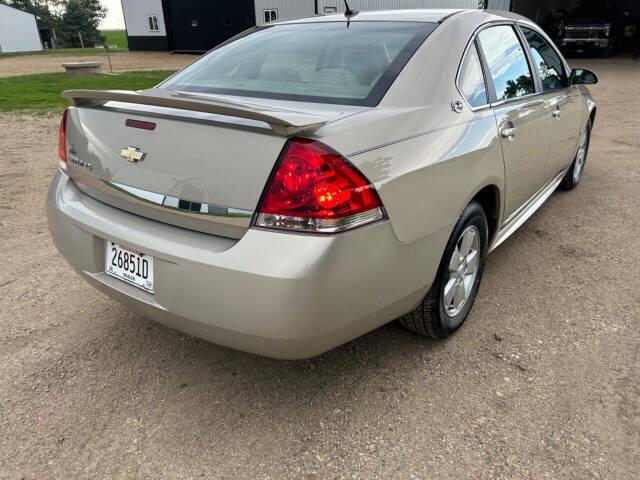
{"points": [[235, 217], [521, 215], [180, 203], [585, 39]]}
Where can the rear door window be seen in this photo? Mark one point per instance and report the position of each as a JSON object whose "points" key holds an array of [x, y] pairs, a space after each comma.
{"points": [[471, 80], [547, 61], [507, 62]]}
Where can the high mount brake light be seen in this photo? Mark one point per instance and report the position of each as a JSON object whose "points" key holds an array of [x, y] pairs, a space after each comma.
{"points": [[315, 189], [62, 141], [129, 122]]}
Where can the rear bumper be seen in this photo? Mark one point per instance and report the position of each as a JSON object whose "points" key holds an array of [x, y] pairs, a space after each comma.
{"points": [[586, 42], [274, 294]]}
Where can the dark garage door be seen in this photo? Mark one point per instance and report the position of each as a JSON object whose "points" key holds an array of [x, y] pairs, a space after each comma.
{"points": [[199, 25]]}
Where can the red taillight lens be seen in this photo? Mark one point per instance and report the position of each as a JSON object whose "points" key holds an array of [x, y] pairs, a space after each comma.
{"points": [[62, 141], [315, 189]]}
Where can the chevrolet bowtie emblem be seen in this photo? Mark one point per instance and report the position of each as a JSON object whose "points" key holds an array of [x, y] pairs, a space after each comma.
{"points": [[133, 154]]}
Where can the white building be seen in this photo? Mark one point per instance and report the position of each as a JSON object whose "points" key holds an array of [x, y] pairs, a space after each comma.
{"points": [[332, 6], [199, 25], [18, 31]]}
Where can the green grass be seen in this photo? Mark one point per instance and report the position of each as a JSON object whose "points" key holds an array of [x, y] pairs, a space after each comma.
{"points": [[65, 51], [42, 91], [117, 37]]}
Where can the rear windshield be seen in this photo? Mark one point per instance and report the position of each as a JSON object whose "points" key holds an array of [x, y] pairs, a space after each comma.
{"points": [[312, 62]]}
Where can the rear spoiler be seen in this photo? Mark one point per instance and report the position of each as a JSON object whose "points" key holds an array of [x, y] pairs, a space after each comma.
{"points": [[282, 121]]}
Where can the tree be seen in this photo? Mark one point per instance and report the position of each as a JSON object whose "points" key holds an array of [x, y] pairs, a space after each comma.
{"points": [[520, 86], [95, 10], [83, 17]]}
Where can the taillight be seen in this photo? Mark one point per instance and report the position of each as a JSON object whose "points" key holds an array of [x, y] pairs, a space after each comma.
{"points": [[315, 189], [62, 141]]}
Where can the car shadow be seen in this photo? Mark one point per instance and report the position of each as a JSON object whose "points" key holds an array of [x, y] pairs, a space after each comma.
{"points": [[156, 363]]}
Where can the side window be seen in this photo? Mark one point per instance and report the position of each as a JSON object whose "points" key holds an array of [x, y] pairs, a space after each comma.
{"points": [[547, 61], [507, 62], [471, 81]]}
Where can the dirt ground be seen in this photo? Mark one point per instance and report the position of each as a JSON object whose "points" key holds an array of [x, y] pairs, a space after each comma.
{"points": [[120, 62], [542, 382]]}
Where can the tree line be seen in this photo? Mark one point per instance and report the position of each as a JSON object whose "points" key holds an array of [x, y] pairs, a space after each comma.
{"points": [[69, 19]]}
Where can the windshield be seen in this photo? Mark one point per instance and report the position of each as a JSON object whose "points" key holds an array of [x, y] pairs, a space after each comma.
{"points": [[314, 62]]}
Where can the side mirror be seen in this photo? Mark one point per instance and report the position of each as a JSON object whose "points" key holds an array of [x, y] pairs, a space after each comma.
{"points": [[582, 76]]}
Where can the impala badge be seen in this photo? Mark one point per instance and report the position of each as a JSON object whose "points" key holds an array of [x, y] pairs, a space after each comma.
{"points": [[133, 154]]}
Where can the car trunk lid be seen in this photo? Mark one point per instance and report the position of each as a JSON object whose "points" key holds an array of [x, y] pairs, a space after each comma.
{"points": [[202, 166]]}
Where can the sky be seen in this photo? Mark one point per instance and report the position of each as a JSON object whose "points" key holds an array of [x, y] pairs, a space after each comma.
{"points": [[114, 19]]}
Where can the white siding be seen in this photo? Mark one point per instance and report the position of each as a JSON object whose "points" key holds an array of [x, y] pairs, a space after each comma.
{"points": [[18, 31], [287, 9], [136, 13], [395, 4], [499, 5]]}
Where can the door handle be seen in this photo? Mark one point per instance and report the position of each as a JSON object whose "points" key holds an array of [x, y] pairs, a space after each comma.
{"points": [[508, 133], [557, 113]]}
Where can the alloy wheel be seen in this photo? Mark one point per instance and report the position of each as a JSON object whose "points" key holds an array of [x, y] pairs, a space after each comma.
{"points": [[462, 271], [581, 156]]}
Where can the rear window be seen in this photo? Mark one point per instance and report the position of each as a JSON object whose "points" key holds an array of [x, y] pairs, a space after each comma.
{"points": [[313, 62]]}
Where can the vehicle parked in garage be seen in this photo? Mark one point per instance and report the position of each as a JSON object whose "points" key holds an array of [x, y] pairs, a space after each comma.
{"points": [[314, 179], [596, 28]]}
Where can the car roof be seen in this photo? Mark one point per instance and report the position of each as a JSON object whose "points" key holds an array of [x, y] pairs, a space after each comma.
{"points": [[427, 15]]}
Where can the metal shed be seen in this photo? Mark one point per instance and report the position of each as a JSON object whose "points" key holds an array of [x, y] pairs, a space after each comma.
{"points": [[333, 6], [18, 31], [199, 25]]}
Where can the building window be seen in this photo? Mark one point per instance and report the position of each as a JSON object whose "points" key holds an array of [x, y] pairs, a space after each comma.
{"points": [[270, 16], [330, 10], [153, 23]]}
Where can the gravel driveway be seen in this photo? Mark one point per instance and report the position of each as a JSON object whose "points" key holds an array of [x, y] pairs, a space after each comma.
{"points": [[542, 382], [120, 62]]}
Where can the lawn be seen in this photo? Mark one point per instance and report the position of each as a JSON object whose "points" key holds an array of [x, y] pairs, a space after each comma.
{"points": [[116, 37], [42, 91], [65, 51]]}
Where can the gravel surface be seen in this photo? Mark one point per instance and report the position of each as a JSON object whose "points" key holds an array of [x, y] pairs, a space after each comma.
{"points": [[542, 382], [120, 62]]}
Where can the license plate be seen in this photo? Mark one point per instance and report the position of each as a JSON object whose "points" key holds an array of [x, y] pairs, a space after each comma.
{"points": [[133, 267]]}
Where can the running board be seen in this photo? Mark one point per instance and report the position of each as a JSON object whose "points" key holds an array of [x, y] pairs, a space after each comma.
{"points": [[522, 215]]}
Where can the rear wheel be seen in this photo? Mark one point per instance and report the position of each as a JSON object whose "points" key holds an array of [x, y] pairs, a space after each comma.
{"points": [[451, 296], [574, 174]]}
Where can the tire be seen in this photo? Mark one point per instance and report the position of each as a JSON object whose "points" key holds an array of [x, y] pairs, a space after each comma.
{"points": [[574, 174], [607, 52], [435, 317]]}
